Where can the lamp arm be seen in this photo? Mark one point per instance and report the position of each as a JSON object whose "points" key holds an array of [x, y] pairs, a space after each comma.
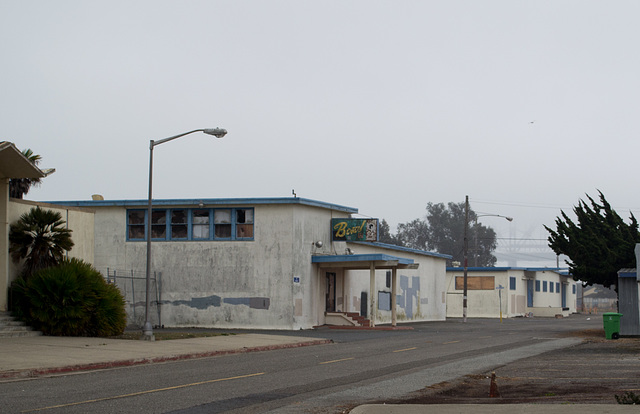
{"points": [[162, 141]]}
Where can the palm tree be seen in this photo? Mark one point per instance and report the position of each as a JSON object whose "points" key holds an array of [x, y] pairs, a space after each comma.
{"points": [[18, 187], [39, 238]]}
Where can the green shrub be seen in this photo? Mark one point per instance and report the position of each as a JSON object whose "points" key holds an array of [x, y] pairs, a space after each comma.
{"points": [[628, 398], [70, 299]]}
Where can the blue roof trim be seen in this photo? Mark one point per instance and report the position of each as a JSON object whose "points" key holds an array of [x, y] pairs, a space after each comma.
{"points": [[405, 249], [208, 202], [560, 271], [376, 257], [627, 274]]}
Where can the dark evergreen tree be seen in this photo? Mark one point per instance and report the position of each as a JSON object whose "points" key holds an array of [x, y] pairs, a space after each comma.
{"points": [[384, 234], [443, 231], [598, 244]]}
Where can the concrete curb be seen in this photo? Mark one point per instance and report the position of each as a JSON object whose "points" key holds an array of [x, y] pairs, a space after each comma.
{"points": [[31, 373]]}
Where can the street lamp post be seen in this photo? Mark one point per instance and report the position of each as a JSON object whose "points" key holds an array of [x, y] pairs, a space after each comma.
{"points": [[466, 251], [147, 330], [475, 234]]}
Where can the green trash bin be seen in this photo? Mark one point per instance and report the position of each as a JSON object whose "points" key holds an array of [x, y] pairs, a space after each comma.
{"points": [[611, 325]]}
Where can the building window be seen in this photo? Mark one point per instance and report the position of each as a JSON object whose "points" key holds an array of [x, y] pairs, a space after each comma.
{"points": [[537, 286], [200, 222], [512, 283], [136, 225], [544, 285], [179, 225], [244, 223], [557, 287], [574, 289], [192, 224], [222, 224], [159, 224], [551, 287]]}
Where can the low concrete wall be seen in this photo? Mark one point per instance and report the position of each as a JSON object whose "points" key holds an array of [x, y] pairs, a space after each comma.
{"points": [[549, 312]]}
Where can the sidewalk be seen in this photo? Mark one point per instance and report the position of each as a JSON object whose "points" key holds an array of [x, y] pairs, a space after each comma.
{"points": [[44, 355], [494, 409]]}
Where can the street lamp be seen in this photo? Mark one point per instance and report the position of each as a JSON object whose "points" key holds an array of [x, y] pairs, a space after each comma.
{"points": [[466, 252], [147, 330], [475, 234]]}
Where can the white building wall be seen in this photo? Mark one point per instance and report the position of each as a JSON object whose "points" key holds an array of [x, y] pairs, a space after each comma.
{"points": [[79, 220], [420, 292], [549, 303], [486, 303], [265, 283], [517, 298], [480, 303]]}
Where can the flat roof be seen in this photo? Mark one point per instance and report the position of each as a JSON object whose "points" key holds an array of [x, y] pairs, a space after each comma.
{"points": [[363, 261], [560, 271], [627, 272], [404, 249], [207, 202]]}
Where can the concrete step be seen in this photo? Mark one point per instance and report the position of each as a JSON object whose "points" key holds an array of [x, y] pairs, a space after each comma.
{"points": [[16, 334], [10, 327], [355, 318]]}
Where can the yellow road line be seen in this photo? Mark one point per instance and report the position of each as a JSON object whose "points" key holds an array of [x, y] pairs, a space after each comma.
{"points": [[134, 394], [336, 360], [407, 349]]}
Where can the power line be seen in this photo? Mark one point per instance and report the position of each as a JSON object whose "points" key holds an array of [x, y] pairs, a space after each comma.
{"points": [[545, 206]]}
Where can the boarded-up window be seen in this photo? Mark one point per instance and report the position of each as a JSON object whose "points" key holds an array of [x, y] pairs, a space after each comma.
{"points": [[476, 283], [244, 223]]}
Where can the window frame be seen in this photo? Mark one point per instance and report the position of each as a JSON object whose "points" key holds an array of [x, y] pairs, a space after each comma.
{"points": [[142, 225], [189, 223], [512, 283]]}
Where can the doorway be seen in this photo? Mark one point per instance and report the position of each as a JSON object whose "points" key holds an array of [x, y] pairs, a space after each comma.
{"points": [[330, 305]]}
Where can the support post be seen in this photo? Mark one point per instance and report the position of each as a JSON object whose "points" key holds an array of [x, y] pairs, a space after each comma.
{"points": [[394, 318], [466, 251], [372, 294]]}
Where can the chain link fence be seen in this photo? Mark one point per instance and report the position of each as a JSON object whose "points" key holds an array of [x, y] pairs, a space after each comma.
{"points": [[132, 284]]}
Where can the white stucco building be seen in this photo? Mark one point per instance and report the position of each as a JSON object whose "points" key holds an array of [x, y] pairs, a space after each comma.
{"points": [[514, 291], [271, 263], [15, 165]]}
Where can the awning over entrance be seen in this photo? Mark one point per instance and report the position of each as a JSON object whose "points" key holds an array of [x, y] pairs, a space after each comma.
{"points": [[363, 261], [15, 165], [372, 262]]}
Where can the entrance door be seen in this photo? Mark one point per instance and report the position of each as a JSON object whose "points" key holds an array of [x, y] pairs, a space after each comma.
{"points": [[530, 293], [564, 295], [331, 293]]}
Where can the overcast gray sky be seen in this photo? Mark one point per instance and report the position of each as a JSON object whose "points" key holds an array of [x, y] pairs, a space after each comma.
{"points": [[525, 106]]}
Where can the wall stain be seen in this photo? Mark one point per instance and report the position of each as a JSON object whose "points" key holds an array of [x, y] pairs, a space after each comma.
{"points": [[409, 294], [216, 301]]}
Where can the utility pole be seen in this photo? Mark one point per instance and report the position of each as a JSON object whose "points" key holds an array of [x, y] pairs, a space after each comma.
{"points": [[466, 248]]}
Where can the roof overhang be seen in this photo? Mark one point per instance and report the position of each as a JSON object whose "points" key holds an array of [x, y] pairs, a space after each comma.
{"points": [[364, 261], [15, 165]]}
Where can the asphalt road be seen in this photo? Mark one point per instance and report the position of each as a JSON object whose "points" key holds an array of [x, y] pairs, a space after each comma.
{"points": [[359, 366]]}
